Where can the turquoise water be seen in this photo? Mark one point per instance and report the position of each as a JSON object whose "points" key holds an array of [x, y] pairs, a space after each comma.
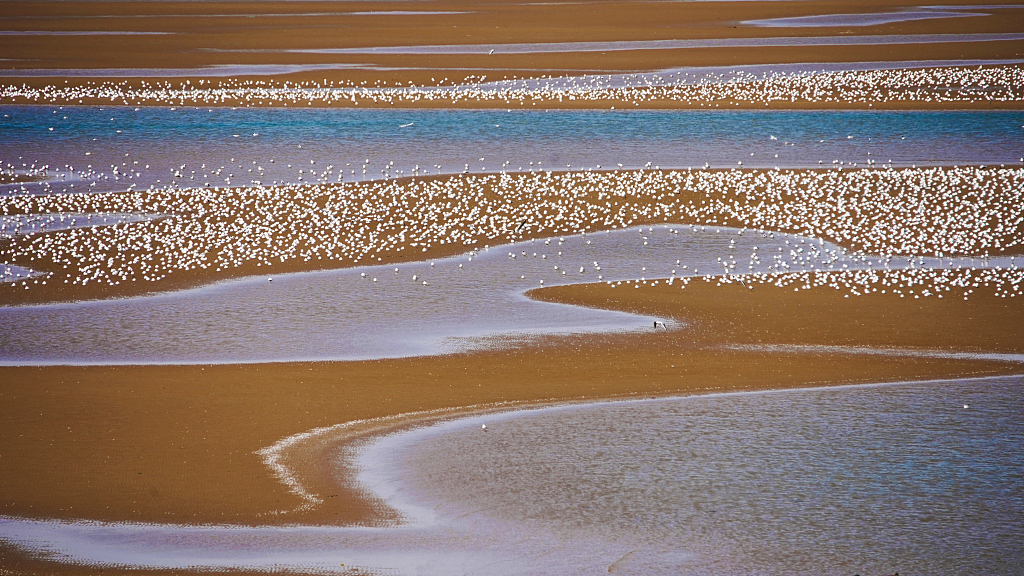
{"points": [[236, 147]]}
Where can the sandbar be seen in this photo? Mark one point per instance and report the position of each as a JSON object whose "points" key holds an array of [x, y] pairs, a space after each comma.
{"points": [[180, 443], [294, 36]]}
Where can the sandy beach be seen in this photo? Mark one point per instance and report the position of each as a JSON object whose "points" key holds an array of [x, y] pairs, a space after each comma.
{"points": [[180, 444]]}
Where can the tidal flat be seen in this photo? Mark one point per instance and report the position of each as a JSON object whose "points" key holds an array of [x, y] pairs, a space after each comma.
{"points": [[571, 293]]}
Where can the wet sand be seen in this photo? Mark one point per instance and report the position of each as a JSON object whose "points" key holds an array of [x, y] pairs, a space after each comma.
{"points": [[177, 443], [187, 35], [17, 178]]}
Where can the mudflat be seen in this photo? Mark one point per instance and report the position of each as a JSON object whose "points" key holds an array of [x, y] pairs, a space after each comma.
{"points": [[300, 42], [179, 444]]}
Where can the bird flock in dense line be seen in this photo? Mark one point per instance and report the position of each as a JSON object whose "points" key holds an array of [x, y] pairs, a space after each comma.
{"points": [[985, 84], [946, 212], [913, 282]]}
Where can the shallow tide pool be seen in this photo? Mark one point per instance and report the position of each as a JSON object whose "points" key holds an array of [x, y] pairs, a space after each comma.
{"points": [[920, 478]]}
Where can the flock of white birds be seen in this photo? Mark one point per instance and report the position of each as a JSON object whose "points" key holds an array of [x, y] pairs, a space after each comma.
{"points": [[1005, 282], [946, 212], [998, 83]]}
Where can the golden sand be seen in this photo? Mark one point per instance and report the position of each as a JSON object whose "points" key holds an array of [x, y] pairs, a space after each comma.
{"points": [[179, 443], [191, 35], [224, 33]]}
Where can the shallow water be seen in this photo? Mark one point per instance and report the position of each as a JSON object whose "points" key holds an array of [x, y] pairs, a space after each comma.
{"points": [[24, 224], [547, 47], [696, 73], [79, 33], [240, 147], [863, 479], [470, 301], [11, 273], [215, 71], [342, 315], [868, 19], [923, 478]]}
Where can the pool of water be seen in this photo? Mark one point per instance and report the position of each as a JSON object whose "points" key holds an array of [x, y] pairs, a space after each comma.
{"points": [[376, 312], [922, 478], [433, 307], [12, 273]]}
